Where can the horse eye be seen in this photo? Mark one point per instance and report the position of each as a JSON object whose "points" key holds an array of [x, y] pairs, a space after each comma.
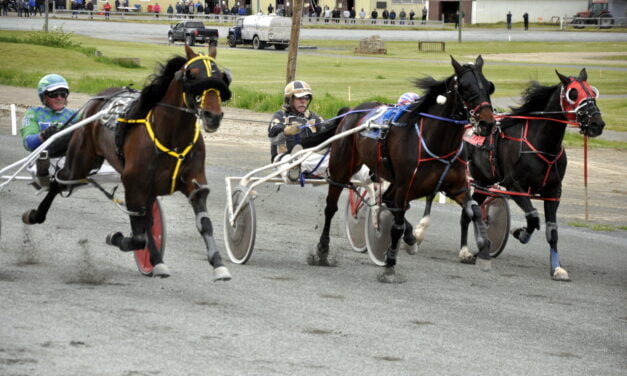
{"points": [[491, 87], [572, 94]]}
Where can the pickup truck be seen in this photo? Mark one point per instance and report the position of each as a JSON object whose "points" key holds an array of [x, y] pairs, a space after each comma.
{"points": [[261, 31], [192, 32]]}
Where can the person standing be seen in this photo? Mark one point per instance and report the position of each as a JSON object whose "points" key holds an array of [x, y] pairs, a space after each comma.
{"points": [[270, 8], [107, 10], [526, 20], [373, 16], [509, 20], [412, 15], [424, 15]]}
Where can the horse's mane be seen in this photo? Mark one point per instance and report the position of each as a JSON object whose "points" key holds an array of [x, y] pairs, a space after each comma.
{"points": [[534, 98], [158, 84], [431, 89]]}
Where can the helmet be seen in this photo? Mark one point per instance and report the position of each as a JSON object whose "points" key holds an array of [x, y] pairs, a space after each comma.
{"points": [[51, 82], [296, 89], [407, 98]]}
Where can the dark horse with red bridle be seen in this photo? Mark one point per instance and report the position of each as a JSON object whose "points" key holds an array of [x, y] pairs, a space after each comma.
{"points": [[419, 157], [161, 151], [526, 156]]}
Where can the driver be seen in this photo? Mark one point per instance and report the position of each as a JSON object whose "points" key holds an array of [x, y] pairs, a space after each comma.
{"points": [[40, 123], [294, 125]]}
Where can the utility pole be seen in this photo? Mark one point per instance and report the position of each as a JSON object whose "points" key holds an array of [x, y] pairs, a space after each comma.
{"points": [[459, 22], [46, 4], [292, 53]]}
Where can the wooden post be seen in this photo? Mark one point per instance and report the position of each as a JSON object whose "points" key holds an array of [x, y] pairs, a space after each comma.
{"points": [[292, 54]]}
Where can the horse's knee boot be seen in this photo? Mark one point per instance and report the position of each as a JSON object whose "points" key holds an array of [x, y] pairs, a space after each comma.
{"points": [[204, 226], [551, 234]]}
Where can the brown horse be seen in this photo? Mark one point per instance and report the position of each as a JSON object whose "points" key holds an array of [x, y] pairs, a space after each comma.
{"points": [[161, 150], [419, 157]]}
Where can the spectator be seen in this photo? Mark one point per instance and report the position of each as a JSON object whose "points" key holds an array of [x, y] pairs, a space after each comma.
{"points": [[362, 13], [270, 8], [90, 9], [117, 5], [5, 7], [217, 10], [241, 11], [402, 15], [412, 15], [157, 10], [392, 15], [509, 20], [318, 10], [373, 16], [170, 11], [385, 14], [107, 10], [526, 20], [458, 18], [352, 13], [424, 15], [31, 7]]}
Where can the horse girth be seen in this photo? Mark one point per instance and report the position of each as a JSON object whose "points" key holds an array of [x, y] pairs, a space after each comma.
{"points": [[180, 157]]}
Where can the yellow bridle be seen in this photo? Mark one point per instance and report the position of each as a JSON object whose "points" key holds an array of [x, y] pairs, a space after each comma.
{"points": [[179, 156]]}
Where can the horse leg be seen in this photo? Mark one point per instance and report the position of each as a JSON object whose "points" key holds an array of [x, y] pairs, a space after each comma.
{"points": [[465, 256], [472, 212], [198, 200], [423, 225], [320, 257], [523, 234], [389, 275], [550, 215], [410, 243], [35, 216]]}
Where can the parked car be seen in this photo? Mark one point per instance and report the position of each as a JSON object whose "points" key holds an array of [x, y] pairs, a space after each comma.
{"points": [[261, 31], [191, 32]]}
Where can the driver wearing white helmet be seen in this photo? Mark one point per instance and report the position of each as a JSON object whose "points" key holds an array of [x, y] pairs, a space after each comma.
{"points": [[40, 123]]}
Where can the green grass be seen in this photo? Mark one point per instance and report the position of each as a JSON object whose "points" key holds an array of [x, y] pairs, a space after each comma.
{"points": [[597, 227], [337, 75]]}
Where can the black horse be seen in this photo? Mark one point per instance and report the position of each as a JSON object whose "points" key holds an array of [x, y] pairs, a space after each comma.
{"points": [[419, 157], [526, 156], [163, 150]]}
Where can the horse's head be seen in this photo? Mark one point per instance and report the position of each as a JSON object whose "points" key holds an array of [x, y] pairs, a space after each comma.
{"points": [[205, 86], [578, 100], [474, 90]]}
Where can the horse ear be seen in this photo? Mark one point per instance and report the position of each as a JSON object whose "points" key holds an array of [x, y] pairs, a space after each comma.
{"points": [[583, 75], [456, 65], [189, 52], [565, 80], [479, 63], [213, 51]]}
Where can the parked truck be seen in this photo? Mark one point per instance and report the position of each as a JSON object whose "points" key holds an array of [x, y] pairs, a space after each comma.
{"points": [[597, 14], [192, 32], [261, 31]]}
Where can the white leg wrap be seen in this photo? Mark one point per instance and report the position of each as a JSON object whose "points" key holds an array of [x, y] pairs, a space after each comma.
{"points": [[421, 228]]}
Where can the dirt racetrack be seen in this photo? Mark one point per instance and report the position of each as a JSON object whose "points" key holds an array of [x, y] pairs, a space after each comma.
{"points": [[72, 305]]}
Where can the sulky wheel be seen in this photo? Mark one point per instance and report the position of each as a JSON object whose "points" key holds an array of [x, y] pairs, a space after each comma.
{"points": [[142, 256], [240, 238], [378, 239], [355, 219], [495, 213]]}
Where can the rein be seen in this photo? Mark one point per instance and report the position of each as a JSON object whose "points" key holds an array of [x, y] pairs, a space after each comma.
{"points": [[180, 157]]}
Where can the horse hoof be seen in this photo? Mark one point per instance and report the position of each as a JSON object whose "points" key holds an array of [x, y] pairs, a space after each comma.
{"points": [[221, 273], [560, 274], [317, 258], [114, 238], [26, 217], [465, 257], [389, 275], [485, 265], [161, 270], [410, 249], [522, 235]]}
